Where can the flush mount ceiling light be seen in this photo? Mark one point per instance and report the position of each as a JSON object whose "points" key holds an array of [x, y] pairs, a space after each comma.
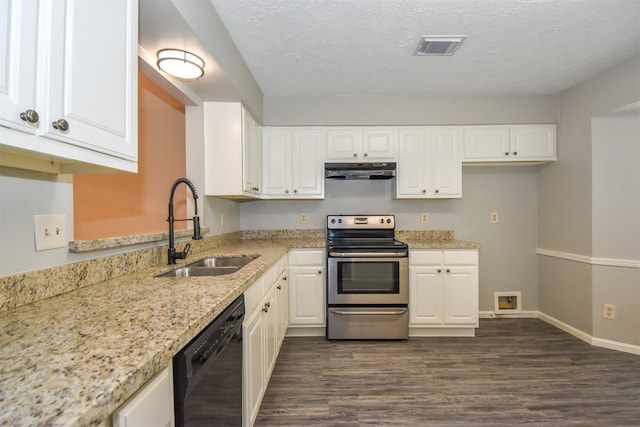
{"points": [[180, 64], [438, 45]]}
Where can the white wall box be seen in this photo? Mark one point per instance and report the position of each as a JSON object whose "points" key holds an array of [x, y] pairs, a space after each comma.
{"points": [[443, 292], [152, 405], [68, 85], [293, 164], [232, 151], [361, 144], [429, 163], [509, 143], [306, 293], [266, 304]]}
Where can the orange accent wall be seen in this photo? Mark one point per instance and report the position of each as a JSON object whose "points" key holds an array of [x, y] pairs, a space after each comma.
{"points": [[122, 204]]}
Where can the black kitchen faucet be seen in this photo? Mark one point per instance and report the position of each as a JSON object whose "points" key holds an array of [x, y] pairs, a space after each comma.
{"points": [[173, 255]]}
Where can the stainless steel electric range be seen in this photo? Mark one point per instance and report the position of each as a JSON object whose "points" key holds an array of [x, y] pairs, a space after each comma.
{"points": [[367, 278]]}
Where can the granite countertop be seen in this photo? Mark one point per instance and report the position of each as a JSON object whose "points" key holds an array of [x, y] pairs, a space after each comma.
{"points": [[73, 359]]}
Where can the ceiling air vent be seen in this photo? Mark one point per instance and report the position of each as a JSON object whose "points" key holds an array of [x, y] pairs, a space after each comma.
{"points": [[438, 45]]}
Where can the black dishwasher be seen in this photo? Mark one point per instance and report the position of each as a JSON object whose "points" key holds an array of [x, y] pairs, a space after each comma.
{"points": [[207, 373]]}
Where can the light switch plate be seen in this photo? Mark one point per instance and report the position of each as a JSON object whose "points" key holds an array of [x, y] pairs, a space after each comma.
{"points": [[50, 232]]}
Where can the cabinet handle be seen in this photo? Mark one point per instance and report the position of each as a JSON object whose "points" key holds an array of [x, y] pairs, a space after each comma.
{"points": [[286, 191], [515, 153], [424, 191], [30, 116], [295, 191], [278, 287], [506, 154], [319, 271], [366, 154], [267, 304], [61, 125], [265, 309], [437, 191], [284, 278], [448, 271], [439, 270], [355, 154]]}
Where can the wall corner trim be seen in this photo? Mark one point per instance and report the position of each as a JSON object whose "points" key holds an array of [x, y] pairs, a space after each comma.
{"points": [[611, 262]]}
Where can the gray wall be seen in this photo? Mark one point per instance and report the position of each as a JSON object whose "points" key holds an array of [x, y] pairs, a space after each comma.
{"points": [[507, 257], [571, 210]]}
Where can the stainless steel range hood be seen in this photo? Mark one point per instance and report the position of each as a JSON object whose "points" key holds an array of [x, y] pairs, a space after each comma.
{"points": [[342, 171]]}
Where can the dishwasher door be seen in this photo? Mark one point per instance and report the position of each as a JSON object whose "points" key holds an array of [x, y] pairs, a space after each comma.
{"points": [[207, 373]]}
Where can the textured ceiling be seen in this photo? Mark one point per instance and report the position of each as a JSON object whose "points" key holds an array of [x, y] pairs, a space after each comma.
{"points": [[365, 47]]}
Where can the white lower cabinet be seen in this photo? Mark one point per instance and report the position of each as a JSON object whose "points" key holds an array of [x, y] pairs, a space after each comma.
{"points": [[307, 309], [151, 406], [263, 333], [443, 292]]}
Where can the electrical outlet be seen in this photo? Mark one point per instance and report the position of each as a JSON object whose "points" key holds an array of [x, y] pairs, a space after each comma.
{"points": [[424, 217], [609, 311], [494, 217], [50, 232], [303, 218]]}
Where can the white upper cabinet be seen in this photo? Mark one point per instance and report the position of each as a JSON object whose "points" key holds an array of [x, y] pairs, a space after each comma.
{"points": [[429, 163], [232, 153], [293, 163], [78, 61], [19, 19], [509, 143], [355, 144]]}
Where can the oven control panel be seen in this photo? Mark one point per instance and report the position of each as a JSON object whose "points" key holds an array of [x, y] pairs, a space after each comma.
{"points": [[360, 222]]}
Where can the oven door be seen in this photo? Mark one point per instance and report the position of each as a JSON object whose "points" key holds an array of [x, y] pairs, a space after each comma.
{"points": [[367, 280]]}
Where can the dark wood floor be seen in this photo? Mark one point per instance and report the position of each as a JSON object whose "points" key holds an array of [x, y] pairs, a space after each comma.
{"points": [[515, 371]]}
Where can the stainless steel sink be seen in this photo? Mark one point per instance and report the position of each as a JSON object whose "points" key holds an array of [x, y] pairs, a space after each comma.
{"points": [[199, 271], [224, 261], [213, 266]]}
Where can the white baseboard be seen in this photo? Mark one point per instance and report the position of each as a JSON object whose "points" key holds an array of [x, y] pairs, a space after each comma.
{"points": [[519, 315], [598, 342]]}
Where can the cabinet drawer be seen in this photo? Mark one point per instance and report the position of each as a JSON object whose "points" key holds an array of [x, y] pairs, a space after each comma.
{"points": [[253, 295], [461, 257], [425, 257], [306, 257]]}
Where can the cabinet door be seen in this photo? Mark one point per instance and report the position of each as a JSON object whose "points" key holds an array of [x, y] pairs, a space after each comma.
{"points": [[343, 144], [425, 295], [253, 377], [91, 60], [447, 162], [152, 405], [461, 295], [270, 323], [534, 142], [282, 299], [414, 154], [276, 159], [486, 143], [251, 153], [18, 37], [306, 165], [306, 296], [378, 144]]}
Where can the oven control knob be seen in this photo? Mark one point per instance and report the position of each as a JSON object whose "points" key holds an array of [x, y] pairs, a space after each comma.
{"points": [[381, 220], [340, 221], [333, 220], [388, 220]]}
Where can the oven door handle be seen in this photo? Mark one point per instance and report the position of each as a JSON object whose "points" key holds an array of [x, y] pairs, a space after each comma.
{"points": [[370, 313], [402, 254]]}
